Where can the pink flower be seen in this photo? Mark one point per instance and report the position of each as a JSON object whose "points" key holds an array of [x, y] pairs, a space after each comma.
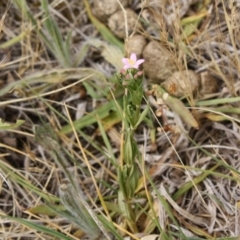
{"points": [[132, 62]]}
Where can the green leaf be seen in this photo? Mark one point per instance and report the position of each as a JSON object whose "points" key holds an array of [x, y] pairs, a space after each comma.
{"points": [[13, 40], [142, 116], [193, 182], [112, 119], [178, 107], [110, 227], [91, 118], [80, 211], [122, 204], [46, 210], [105, 138], [25, 12], [175, 105], [61, 53], [80, 56], [38, 227], [104, 31], [6, 125], [217, 101]]}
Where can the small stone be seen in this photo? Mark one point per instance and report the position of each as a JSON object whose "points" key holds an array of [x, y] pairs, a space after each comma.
{"points": [[117, 23], [159, 62], [135, 44], [182, 83], [209, 84], [103, 9]]}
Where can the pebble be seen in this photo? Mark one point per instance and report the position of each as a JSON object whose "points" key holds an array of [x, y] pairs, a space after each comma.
{"points": [[182, 83], [159, 62], [116, 23], [135, 44], [103, 9]]}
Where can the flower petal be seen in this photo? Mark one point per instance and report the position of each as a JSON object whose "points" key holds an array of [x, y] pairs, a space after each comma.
{"points": [[126, 66], [140, 61], [125, 60], [133, 57], [135, 66]]}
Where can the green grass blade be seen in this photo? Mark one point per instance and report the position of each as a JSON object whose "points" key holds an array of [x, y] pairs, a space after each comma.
{"points": [[13, 41], [38, 227], [70, 198], [59, 50], [106, 141], [5, 125], [17, 178], [47, 210], [80, 56], [217, 101], [91, 118], [104, 31], [110, 227], [176, 105], [193, 182], [22, 6]]}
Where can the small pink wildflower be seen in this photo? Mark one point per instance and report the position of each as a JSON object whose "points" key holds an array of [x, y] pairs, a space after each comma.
{"points": [[127, 77], [132, 62], [122, 71]]}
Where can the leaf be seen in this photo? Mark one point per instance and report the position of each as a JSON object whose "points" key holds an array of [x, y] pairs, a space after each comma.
{"points": [[7, 125], [217, 101], [175, 105], [195, 181], [60, 51], [17, 178], [91, 118], [110, 52], [80, 56], [215, 117], [52, 77], [13, 40], [104, 31], [38, 227], [109, 226], [113, 55], [112, 119], [22, 6], [80, 212], [142, 116], [178, 107], [45, 209]]}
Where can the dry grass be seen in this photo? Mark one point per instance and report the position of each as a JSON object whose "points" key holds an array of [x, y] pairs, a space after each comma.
{"points": [[188, 185]]}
